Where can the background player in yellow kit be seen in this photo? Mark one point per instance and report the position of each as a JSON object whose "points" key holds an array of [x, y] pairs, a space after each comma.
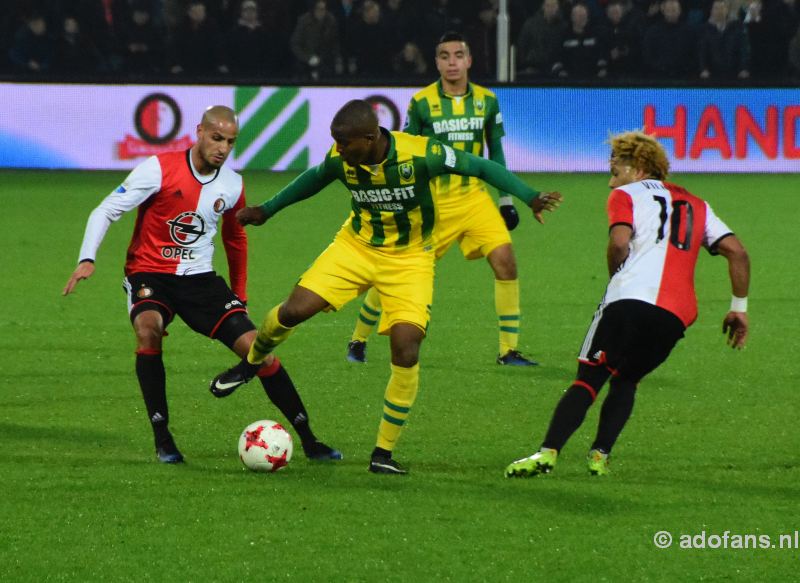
{"points": [[465, 116]]}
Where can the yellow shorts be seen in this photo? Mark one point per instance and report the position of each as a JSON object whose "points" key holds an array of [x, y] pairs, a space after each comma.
{"points": [[473, 220], [403, 279]]}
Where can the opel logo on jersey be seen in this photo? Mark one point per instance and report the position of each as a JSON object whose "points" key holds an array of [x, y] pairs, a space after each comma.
{"points": [[219, 205], [186, 228]]}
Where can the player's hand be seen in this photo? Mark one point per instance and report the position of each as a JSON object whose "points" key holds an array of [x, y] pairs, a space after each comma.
{"points": [[510, 216], [735, 327], [251, 215], [84, 270], [546, 201]]}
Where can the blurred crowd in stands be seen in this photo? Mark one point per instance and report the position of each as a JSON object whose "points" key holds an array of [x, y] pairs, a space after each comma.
{"points": [[347, 41]]}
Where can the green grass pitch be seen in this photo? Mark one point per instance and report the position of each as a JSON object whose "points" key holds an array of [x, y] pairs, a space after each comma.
{"points": [[712, 445]]}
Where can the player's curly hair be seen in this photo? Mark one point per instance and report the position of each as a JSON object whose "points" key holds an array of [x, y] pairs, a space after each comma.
{"points": [[641, 151]]}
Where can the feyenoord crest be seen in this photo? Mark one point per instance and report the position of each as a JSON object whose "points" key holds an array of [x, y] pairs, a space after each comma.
{"points": [[144, 292], [219, 205], [406, 171]]}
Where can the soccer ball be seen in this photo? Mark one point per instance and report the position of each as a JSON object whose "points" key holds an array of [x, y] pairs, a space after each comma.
{"points": [[265, 446]]}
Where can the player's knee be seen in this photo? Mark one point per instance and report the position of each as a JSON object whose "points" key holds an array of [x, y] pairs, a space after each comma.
{"points": [[149, 328], [594, 376], [234, 330], [503, 262], [405, 356]]}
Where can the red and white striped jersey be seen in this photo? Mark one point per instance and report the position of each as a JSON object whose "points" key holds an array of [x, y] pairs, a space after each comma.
{"points": [[179, 211], [669, 227]]}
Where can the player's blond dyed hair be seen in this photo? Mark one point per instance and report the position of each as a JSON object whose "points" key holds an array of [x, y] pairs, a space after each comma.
{"points": [[641, 151]]}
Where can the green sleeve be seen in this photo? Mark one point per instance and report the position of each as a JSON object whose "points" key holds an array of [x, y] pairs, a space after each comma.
{"points": [[413, 121], [496, 154], [304, 186], [443, 159]]}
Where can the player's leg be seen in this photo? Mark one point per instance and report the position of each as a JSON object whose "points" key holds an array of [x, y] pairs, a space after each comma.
{"points": [[368, 317], [609, 335], [150, 311], [406, 288], [399, 397], [280, 322], [506, 303], [656, 334], [238, 333]]}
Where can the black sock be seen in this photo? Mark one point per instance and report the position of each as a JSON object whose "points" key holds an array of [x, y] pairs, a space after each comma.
{"points": [[153, 382], [568, 416], [615, 413], [380, 452], [281, 391]]}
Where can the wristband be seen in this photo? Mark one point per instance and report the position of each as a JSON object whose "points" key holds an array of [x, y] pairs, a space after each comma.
{"points": [[738, 304]]}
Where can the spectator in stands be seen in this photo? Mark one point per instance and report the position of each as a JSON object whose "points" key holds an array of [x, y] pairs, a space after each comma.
{"points": [[581, 56], [621, 38], [32, 49], [104, 21], [143, 47], [75, 52], [724, 51], [539, 43], [315, 43], [247, 42], [437, 17], [372, 43], [482, 35], [669, 45], [409, 63], [402, 20], [768, 24], [197, 47], [794, 55], [346, 13]]}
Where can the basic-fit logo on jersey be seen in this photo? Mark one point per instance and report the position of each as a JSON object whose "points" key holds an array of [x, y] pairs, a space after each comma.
{"points": [[186, 228]]}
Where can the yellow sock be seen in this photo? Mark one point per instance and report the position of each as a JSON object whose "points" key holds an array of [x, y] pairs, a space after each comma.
{"points": [[397, 401], [270, 334], [506, 302], [368, 316]]}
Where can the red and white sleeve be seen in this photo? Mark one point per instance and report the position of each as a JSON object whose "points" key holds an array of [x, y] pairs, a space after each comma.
{"points": [[234, 239], [619, 208], [141, 184]]}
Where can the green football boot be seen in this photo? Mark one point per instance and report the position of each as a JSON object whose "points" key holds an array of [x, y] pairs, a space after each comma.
{"points": [[541, 462], [597, 461]]}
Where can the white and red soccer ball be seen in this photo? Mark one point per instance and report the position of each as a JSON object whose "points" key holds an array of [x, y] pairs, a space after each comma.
{"points": [[265, 446]]}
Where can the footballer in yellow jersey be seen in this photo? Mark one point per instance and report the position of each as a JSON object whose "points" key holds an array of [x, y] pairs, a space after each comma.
{"points": [[465, 116], [386, 244]]}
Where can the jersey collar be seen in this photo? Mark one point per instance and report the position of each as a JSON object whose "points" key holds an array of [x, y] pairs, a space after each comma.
{"points": [[201, 178], [440, 89]]}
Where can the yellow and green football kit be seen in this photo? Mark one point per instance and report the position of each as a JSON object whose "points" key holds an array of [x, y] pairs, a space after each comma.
{"points": [[387, 243], [466, 211]]}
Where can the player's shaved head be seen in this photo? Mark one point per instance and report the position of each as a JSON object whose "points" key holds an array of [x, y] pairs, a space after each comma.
{"points": [[219, 114], [356, 117]]}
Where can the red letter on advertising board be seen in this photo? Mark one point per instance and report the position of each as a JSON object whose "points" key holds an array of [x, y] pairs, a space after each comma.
{"points": [[790, 148], [677, 132], [710, 119], [746, 126]]}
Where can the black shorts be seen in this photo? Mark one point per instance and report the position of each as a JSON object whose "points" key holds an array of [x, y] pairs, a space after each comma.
{"points": [[631, 338], [204, 301]]}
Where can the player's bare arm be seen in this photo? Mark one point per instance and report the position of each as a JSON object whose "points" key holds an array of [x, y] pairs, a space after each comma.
{"points": [[617, 252], [735, 324], [84, 270], [251, 215], [546, 201]]}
